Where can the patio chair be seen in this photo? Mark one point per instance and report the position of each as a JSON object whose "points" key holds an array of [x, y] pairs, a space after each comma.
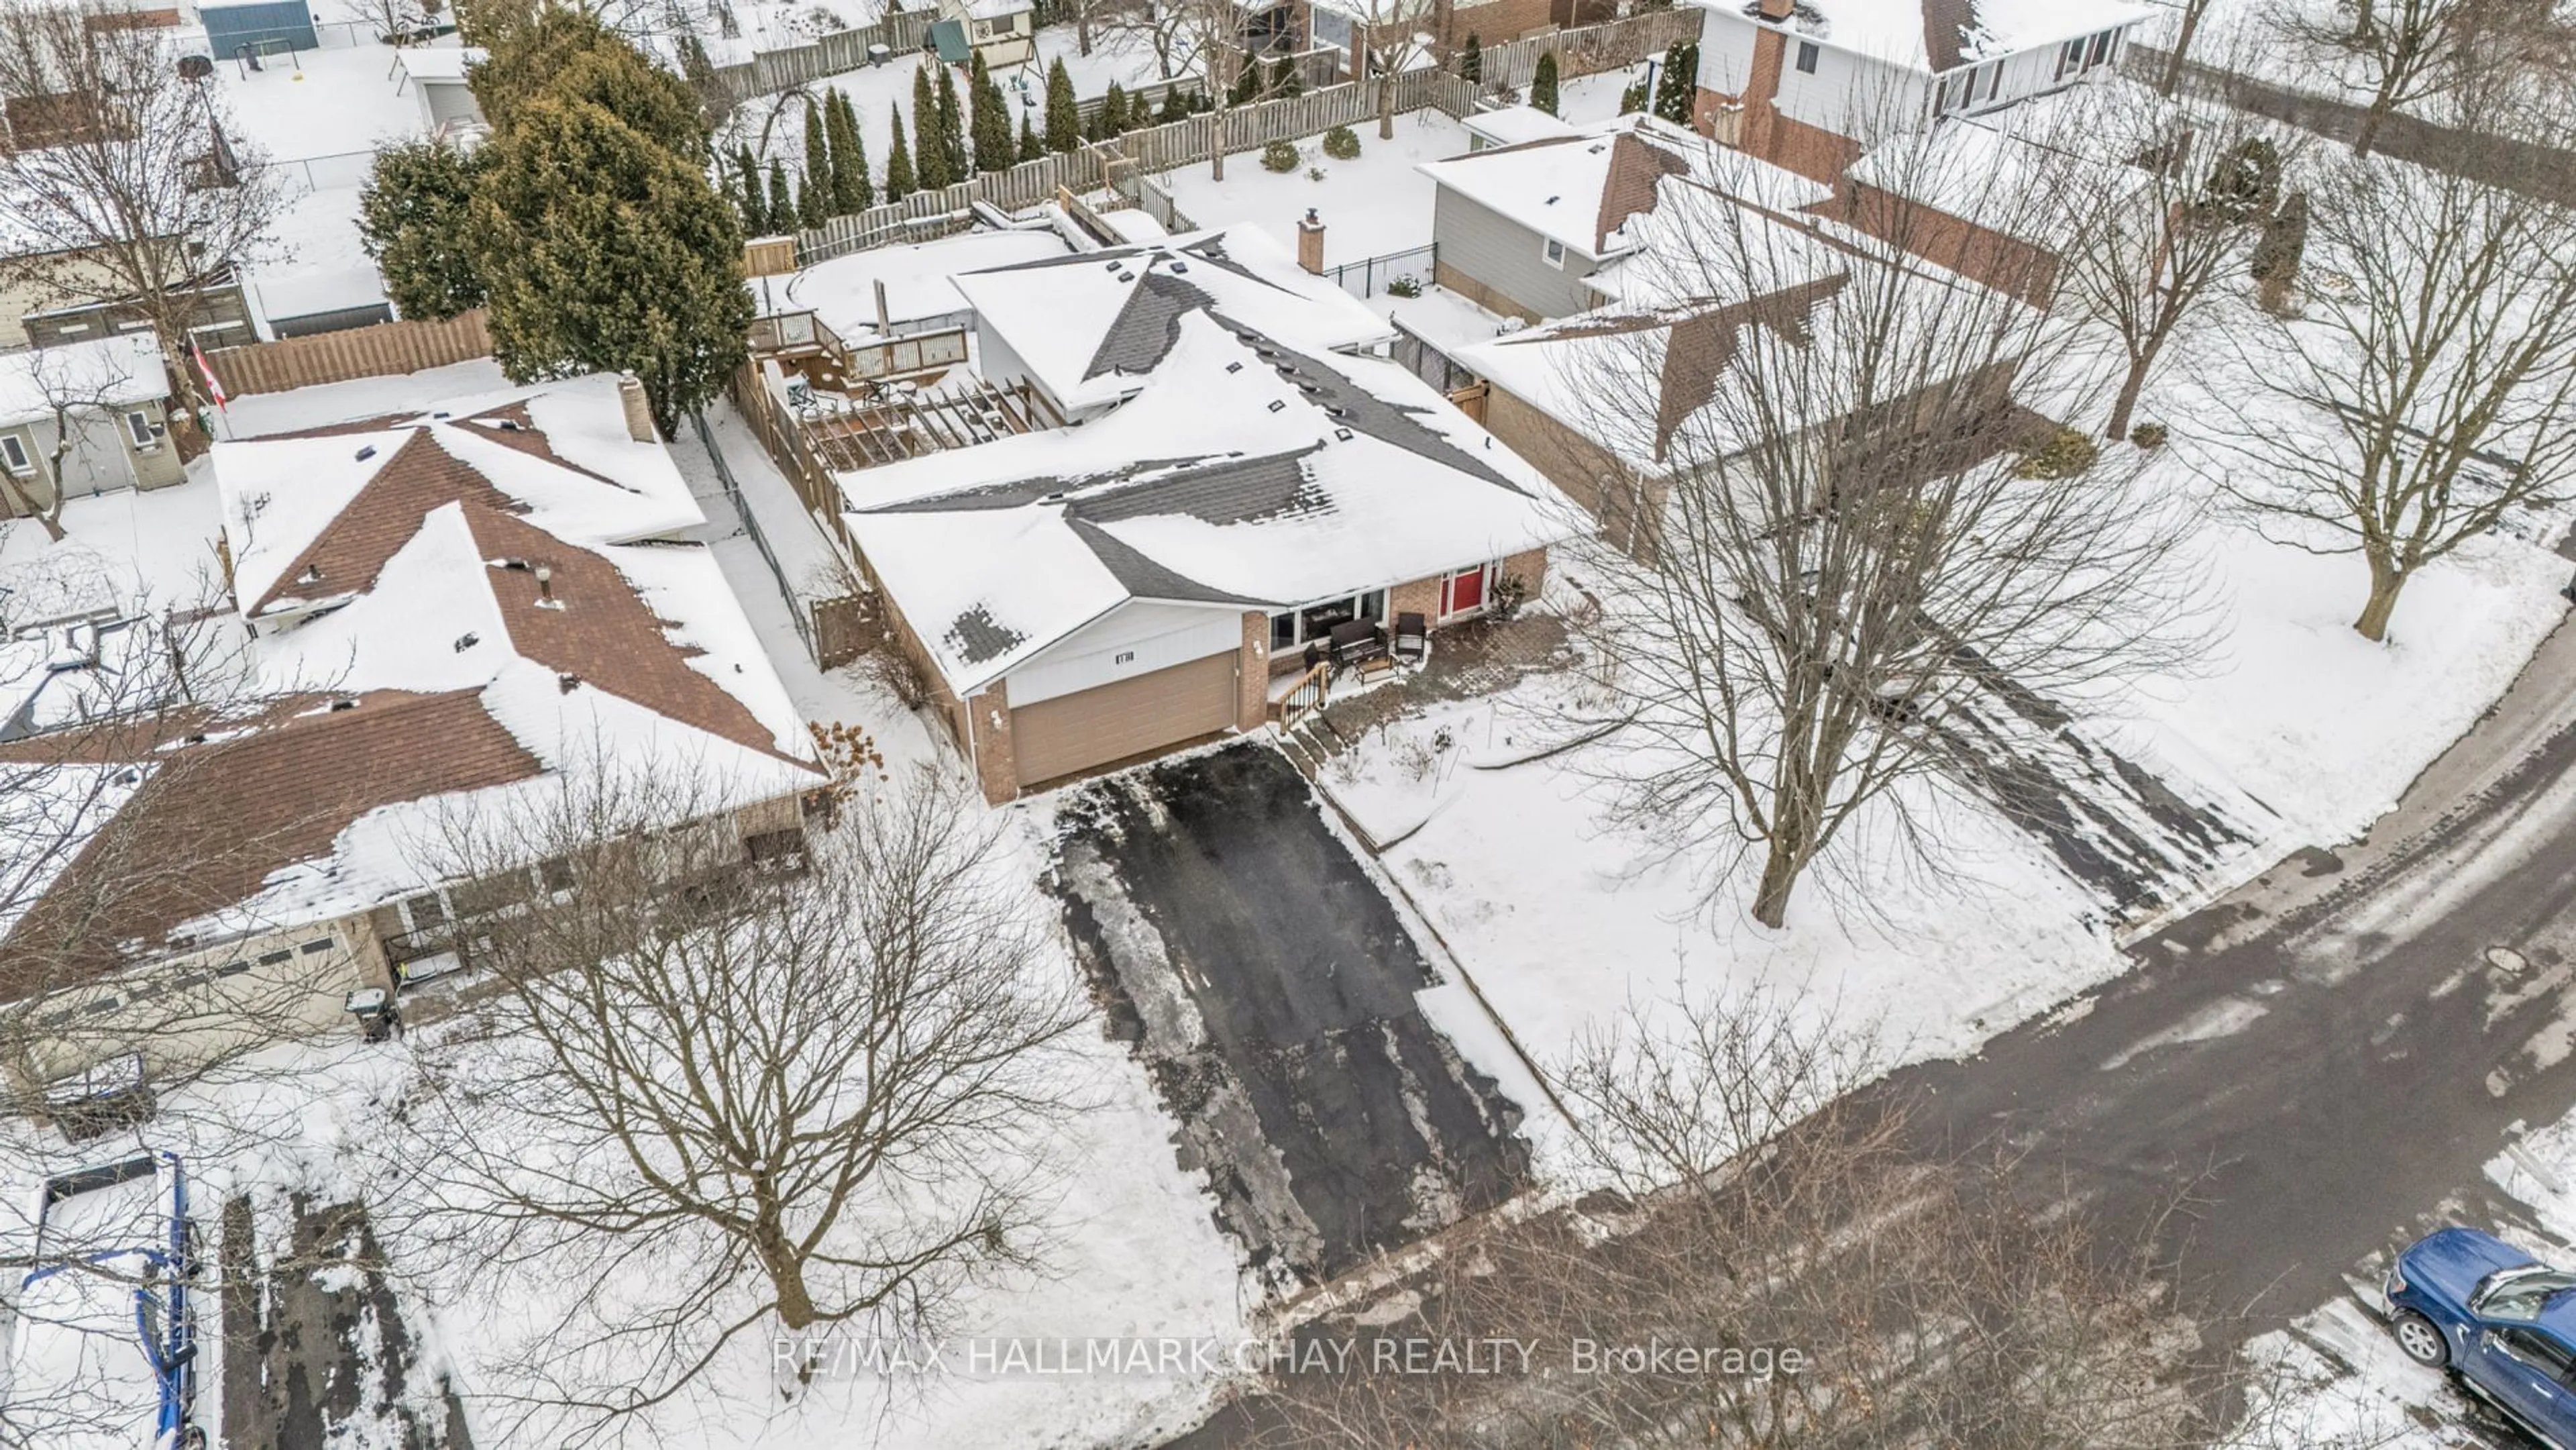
{"points": [[1354, 642], [1412, 638]]}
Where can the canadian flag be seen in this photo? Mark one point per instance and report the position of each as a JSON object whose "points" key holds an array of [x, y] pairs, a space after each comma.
{"points": [[213, 384]]}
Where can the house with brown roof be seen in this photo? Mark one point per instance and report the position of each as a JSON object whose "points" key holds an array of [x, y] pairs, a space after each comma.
{"points": [[1612, 403], [451, 613], [1522, 229]]}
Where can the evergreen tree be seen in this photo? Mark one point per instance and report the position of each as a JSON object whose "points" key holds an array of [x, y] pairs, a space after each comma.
{"points": [[852, 192], [411, 220], [1543, 85], [899, 178], [1178, 105], [932, 163], [952, 129], [1284, 79], [1113, 111], [1031, 148], [754, 199], [1471, 61], [604, 251], [815, 184], [569, 55], [1677, 83], [782, 202], [994, 148], [1247, 84], [1063, 109]]}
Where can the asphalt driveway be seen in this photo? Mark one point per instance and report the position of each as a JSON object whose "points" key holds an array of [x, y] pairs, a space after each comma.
{"points": [[1269, 986]]}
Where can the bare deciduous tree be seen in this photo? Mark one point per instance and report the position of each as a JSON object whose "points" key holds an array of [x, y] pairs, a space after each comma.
{"points": [[1394, 36], [1764, 1211], [141, 194], [2430, 389], [740, 1099], [1839, 551], [2405, 51], [2159, 204]]}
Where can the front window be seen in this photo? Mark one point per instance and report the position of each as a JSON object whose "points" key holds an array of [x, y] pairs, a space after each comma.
{"points": [[1315, 622], [2520, 1293], [1807, 54], [138, 426], [2101, 49], [14, 450], [1555, 252]]}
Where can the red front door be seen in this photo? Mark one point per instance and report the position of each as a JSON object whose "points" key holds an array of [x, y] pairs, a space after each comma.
{"points": [[1464, 591]]}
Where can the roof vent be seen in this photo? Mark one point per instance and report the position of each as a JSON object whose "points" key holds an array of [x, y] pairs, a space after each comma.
{"points": [[1126, 276], [1115, 263], [1056, 497], [1551, 201], [520, 565], [1343, 434], [466, 642], [1234, 367], [366, 453], [546, 589], [339, 705], [1278, 403], [567, 682], [312, 575], [440, 414], [1179, 266], [511, 425]]}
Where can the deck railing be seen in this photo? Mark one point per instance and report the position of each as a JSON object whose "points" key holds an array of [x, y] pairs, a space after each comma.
{"points": [[1306, 698]]}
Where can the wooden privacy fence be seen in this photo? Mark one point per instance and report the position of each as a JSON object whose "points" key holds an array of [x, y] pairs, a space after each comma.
{"points": [[360, 352], [1590, 49], [843, 50], [928, 214]]}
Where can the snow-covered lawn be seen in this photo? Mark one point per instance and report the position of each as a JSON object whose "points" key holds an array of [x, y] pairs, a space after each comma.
{"points": [[2304, 731], [1371, 206], [323, 103]]}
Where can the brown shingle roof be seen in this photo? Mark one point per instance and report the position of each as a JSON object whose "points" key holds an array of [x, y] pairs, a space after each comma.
{"points": [[216, 821], [1635, 167], [345, 557], [600, 632]]}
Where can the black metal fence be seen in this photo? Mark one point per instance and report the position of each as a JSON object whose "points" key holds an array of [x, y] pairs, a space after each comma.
{"points": [[1398, 274]]}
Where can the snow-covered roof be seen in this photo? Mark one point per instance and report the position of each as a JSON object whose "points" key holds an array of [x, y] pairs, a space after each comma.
{"points": [[439, 62], [558, 452], [1936, 35], [1245, 473], [920, 280], [1513, 125], [1089, 327], [454, 614], [1985, 174], [1580, 188], [107, 372]]}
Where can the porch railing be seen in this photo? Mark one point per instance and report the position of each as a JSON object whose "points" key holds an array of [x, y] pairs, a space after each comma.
{"points": [[1300, 703]]}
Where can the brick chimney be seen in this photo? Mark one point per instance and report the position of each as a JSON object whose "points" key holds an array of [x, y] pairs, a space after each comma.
{"points": [[1310, 242], [1779, 9], [639, 414]]}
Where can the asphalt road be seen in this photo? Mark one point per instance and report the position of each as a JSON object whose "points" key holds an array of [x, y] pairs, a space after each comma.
{"points": [[2319, 1066]]}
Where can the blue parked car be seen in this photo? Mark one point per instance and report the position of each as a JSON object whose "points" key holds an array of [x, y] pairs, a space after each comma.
{"points": [[2499, 1319]]}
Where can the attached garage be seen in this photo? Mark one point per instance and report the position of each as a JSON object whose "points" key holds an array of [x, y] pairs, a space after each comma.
{"points": [[1058, 737]]}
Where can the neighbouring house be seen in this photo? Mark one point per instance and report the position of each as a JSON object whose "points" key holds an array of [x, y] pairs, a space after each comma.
{"points": [[437, 77], [1425, 30], [447, 610], [1961, 195], [896, 290], [1242, 473], [53, 295], [1671, 334], [1811, 84], [1004, 32], [112, 397], [1522, 229], [1513, 126]]}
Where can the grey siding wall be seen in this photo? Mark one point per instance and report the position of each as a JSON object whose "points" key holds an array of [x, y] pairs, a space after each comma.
{"points": [[1508, 259]]}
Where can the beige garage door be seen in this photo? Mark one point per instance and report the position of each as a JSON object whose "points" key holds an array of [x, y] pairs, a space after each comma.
{"points": [[1074, 732]]}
